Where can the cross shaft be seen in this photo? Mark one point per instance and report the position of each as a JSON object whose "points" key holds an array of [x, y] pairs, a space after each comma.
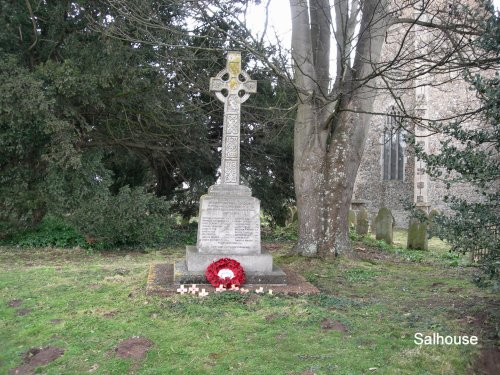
{"points": [[232, 86]]}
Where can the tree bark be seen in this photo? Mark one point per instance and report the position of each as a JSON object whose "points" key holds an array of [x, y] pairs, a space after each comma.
{"points": [[331, 128], [308, 180]]}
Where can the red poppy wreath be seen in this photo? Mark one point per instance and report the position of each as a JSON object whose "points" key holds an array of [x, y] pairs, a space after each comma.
{"points": [[226, 272]]}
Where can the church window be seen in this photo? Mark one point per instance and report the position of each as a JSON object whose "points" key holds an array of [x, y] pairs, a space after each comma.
{"points": [[393, 146]]}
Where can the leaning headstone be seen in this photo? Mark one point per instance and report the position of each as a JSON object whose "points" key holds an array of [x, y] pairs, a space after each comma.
{"points": [[383, 225], [352, 218], [362, 222], [417, 233], [229, 217], [432, 222]]}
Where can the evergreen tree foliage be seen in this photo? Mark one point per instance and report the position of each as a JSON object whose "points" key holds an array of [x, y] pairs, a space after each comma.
{"points": [[471, 154], [98, 110]]}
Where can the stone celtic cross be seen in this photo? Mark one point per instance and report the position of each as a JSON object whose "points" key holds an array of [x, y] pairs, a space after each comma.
{"points": [[232, 86]]}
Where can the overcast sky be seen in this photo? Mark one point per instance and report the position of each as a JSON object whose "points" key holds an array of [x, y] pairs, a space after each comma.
{"points": [[279, 20]]}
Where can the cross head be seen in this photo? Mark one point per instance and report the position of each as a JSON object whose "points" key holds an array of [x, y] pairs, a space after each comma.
{"points": [[232, 86]]}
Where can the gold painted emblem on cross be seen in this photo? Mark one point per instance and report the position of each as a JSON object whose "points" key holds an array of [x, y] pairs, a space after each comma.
{"points": [[233, 80]]}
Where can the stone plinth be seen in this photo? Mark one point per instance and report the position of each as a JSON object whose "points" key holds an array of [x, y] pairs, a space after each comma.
{"points": [[197, 261], [185, 276], [229, 221], [229, 227], [161, 282]]}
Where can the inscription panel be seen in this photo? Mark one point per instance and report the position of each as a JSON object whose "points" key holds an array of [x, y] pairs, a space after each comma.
{"points": [[229, 225]]}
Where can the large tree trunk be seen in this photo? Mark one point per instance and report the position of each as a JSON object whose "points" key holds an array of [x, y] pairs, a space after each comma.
{"points": [[331, 128], [308, 180], [342, 163]]}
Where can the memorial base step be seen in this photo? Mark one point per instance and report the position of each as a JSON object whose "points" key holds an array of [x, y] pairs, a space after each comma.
{"points": [[182, 276], [197, 261]]}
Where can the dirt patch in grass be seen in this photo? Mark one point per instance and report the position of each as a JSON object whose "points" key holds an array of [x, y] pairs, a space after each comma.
{"points": [[271, 317], [42, 356], [22, 370], [35, 357], [368, 253], [23, 312], [133, 348], [214, 355], [110, 314], [56, 321], [488, 362], [15, 303], [436, 284], [480, 314], [333, 325]]}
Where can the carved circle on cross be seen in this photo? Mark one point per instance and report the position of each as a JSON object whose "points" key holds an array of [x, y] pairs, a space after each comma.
{"points": [[219, 84]]}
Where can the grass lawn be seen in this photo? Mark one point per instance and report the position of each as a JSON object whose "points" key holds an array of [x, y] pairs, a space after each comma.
{"points": [[363, 321]]}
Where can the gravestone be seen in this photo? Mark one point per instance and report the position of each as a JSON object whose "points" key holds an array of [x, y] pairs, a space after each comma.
{"points": [[383, 225], [417, 233], [229, 217], [432, 222], [362, 222], [352, 218]]}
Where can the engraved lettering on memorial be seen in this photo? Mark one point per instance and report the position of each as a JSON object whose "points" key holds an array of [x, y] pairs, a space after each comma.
{"points": [[225, 224]]}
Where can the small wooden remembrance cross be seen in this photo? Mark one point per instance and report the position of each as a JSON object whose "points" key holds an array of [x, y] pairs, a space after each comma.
{"points": [[232, 86]]}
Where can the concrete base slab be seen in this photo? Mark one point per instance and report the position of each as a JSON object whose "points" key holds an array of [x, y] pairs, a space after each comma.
{"points": [[161, 283]]}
